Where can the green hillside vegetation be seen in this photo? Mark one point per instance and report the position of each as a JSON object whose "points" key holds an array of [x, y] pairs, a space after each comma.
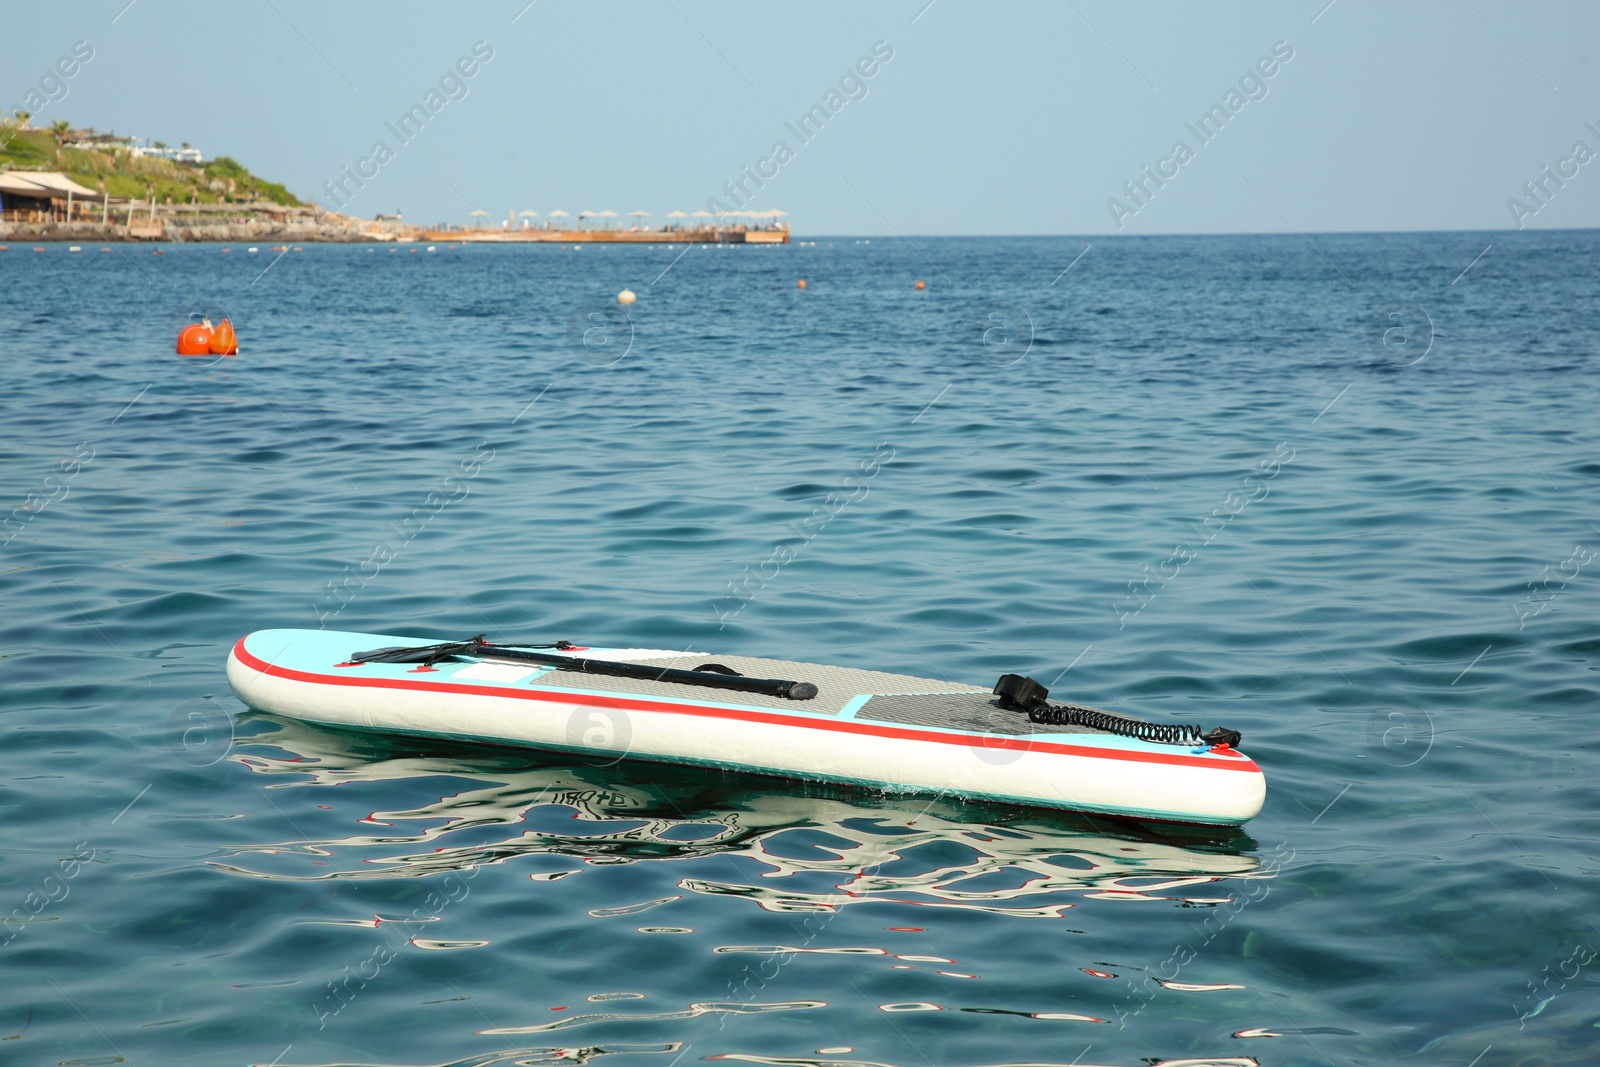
{"points": [[122, 174]]}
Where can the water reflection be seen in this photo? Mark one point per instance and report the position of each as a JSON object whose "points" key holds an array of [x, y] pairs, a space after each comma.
{"points": [[808, 848], [724, 1007], [521, 1057], [795, 1061]]}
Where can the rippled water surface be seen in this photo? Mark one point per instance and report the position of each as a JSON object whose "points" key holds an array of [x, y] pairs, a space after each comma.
{"points": [[1336, 494]]}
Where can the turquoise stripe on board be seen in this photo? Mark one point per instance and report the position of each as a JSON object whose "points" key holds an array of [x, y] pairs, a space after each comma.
{"points": [[850, 709]]}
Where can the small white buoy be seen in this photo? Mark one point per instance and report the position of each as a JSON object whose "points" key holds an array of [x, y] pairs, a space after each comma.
{"points": [[252, 249], [626, 297], [75, 248]]}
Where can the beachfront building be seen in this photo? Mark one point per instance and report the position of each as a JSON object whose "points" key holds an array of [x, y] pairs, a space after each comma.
{"points": [[92, 140], [42, 196]]}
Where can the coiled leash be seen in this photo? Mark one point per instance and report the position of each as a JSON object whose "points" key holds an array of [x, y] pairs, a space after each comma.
{"points": [[1017, 693]]}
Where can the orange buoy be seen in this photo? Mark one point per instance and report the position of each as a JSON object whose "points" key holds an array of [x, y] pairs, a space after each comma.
{"points": [[921, 284], [195, 339], [223, 342], [801, 284]]}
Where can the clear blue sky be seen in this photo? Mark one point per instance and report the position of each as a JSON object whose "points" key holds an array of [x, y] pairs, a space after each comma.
{"points": [[1017, 117]]}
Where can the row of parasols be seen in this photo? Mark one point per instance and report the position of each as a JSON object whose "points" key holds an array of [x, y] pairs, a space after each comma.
{"points": [[722, 218]]}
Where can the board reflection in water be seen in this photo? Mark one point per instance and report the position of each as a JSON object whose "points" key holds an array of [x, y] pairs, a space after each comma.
{"points": [[796, 848]]}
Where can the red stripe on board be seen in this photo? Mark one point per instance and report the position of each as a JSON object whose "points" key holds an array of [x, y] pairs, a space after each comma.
{"points": [[1242, 763]]}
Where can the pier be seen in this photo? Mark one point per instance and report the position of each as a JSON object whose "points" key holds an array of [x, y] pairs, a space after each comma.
{"points": [[727, 235]]}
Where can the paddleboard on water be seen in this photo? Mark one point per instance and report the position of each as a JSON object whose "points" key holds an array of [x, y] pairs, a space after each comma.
{"points": [[776, 717]]}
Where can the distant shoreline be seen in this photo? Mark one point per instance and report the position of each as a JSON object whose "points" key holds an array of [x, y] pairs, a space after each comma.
{"points": [[302, 226]]}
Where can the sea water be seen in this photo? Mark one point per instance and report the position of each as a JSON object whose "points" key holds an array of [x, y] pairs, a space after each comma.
{"points": [[1338, 493]]}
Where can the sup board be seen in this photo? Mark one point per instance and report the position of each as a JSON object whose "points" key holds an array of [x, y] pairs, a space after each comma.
{"points": [[804, 721]]}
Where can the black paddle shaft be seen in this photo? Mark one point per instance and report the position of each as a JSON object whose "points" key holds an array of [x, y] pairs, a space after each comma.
{"points": [[769, 686], [711, 675]]}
